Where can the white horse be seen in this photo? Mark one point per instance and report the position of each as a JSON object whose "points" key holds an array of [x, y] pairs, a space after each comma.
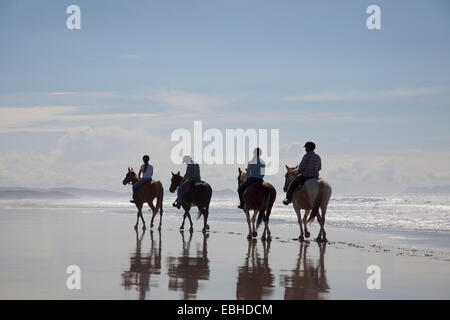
{"points": [[314, 194]]}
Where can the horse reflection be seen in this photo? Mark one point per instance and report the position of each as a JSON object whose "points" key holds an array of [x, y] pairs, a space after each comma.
{"points": [[308, 280], [143, 265], [255, 277], [185, 271]]}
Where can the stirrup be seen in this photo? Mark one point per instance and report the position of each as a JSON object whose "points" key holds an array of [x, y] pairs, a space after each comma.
{"points": [[286, 202]]}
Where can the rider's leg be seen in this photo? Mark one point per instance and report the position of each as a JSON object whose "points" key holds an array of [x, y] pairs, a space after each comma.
{"points": [[180, 194], [292, 187]]}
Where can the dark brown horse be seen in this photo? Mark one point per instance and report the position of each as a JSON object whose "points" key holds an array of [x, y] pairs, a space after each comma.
{"points": [[147, 193], [199, 194], [260, 199]]}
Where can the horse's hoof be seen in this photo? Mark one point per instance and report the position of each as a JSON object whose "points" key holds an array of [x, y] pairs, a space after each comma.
{"points": [[254, 234], [263, 238], [159, 228], [204, 230], [269, 238], [324, 240], [191, 229], [182, 228], [317, 239], [207, 226], [301, 238], [144, 227], [249, 237], [307, 234], [135, 227], [151, 225]]}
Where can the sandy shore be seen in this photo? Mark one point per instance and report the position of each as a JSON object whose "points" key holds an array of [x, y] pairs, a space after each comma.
{"points": [[118, 263]]}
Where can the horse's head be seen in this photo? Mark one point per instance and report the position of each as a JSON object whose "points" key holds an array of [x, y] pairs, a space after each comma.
{"points": [[175, 181], [289, 176], [241, 177], [130, 177]]}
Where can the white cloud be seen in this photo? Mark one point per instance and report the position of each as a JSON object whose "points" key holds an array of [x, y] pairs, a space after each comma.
{"points": [[357, 95], [188, 101]]}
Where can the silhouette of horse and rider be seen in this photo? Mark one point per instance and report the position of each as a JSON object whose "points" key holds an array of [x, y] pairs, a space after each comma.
{"points": [[303, 187]]}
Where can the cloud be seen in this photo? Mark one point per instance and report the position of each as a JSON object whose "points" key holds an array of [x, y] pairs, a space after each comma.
{"points": [[188, 101], [357, 95]]}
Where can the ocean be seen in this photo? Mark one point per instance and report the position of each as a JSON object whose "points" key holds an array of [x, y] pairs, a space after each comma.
{"points": [[421, 212]]}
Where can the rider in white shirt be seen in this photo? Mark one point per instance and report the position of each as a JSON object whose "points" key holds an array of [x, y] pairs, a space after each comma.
{"points": [[147, 173]]}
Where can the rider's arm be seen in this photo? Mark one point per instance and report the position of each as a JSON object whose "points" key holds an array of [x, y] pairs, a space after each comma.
{"points": [[301, 166]]}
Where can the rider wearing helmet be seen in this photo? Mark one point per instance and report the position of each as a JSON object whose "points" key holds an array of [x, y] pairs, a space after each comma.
{"points": [[192, 175], [308, 168], [255, 174], [147, 173]]}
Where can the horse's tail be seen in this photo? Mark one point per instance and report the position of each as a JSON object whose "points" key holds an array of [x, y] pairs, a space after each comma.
{"points": [[264, 214], [317, 202]]}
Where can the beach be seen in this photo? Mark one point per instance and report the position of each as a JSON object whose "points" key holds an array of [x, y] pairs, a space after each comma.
{"points": [[117, 262]]}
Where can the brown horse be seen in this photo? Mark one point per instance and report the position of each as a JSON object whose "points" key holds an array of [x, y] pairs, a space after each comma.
{"points": [[314, 195], [260, 199], [147, 193], [198, 194]]}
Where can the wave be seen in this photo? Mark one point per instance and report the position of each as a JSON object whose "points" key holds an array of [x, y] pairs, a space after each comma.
{"points": [[408, 212]]}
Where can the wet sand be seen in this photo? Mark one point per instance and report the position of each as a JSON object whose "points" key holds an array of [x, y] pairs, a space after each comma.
{"points": [[116, 262]]}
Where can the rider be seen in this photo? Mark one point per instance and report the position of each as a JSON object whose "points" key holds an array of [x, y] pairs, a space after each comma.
{"points": [[255, 174], [308, 168], [192, 175], [147, 173]]}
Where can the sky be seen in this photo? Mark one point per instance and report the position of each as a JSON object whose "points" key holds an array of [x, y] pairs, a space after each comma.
{"points": [[78, 107]]}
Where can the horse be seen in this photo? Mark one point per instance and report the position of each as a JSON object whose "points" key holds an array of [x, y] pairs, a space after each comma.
{"points": [[199, 194], [314, 194], [147, 193], [260, 199]]}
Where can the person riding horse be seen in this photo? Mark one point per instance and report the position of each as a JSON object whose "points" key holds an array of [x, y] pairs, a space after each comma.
{"points": [[308, 168], [147, 173], [191, 176], [255, 174]]}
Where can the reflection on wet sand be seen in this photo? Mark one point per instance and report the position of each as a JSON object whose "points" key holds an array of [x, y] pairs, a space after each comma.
{"points": [[308, 280], [185, 271], [255, 277], [143, 265]]}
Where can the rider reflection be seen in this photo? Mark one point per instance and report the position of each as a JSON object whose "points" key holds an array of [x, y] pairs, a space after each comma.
{"points": [[143, 265], [308, 279], [185, 271], [255, 277]]}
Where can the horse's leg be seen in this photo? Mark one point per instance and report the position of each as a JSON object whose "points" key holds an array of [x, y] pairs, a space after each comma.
{"points": [[263, 238], [205, 219], [154, 211], [190, 221], [137, 220], [305, 220], [184, 218], [255, 214], [322, 224], [247, 215], [299, 219]]}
